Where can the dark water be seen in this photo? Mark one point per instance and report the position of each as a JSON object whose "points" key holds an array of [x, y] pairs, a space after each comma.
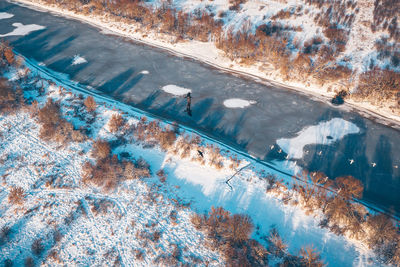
{"points": [[115, 64]]}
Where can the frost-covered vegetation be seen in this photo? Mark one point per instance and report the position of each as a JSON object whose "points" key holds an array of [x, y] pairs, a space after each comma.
{"points": [[79, 188], [346, 46]]}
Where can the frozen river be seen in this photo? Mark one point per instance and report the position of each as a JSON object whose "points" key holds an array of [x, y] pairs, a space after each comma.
{"points": [[274, 124]]}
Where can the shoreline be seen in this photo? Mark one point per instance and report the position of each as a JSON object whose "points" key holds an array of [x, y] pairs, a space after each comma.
{"points": [[216, 60]]}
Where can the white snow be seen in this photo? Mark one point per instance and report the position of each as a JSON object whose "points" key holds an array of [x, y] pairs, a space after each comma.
{"points": [[5, 15], [78, 60], [144, 72], [28, 161], [238, 103], [176, 90], [324, 133], [22, 30]]}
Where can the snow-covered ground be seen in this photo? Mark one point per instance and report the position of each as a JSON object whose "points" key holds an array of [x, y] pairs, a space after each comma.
{"points": [[86, 225], [82, 224]]}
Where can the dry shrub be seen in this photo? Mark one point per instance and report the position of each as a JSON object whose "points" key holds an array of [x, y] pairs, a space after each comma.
{"points": [[9, 55], [101, 149], [7, 96], [162, 176], [230, 234], [276, 246], [37, 247], [116, 122], [16, 196], [349, 187], [108, 171], [90, 104], [381, 231], [167, 139], [139, 255], [310, 257], [238, 228], [53, 254], [54, 127], [378, 86]]}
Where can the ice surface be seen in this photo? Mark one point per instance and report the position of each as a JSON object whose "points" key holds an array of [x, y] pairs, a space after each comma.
{"points": [[324, 133], [22, 30], [78, 60], [238, 103], [5, 15], [176, 90]]}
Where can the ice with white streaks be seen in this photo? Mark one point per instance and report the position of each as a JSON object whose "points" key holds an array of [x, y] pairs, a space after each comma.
{"points": [[324, 133], [238, 103], [5, 15], [78, 60], [176, 90], [22, 30]]}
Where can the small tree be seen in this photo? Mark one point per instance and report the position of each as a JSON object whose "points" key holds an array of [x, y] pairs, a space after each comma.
{"points": [[90, 104], [238, 228], [16, 195], [116, 122], [101, 149], [9, 55], [310, 257], [349, 187]]}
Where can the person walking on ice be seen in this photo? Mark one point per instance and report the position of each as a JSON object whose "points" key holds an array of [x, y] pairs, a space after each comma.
{"points": [[188, 103]]}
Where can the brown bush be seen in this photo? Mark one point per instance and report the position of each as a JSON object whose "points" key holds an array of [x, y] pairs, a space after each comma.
{"points": [[8, 97], [9, 55], [310, 257], [230, 234], [101, 149], [276, 246], [54, 127], [379, 85], [108, 172], [16, 196], [238, 228], [116, 122], [90, 104], [349, 187], [381, 230], [166, 139]]}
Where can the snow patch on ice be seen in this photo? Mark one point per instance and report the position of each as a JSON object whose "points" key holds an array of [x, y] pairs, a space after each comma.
{"points": [[22, 30], [324, 133], [78, 60], [238, 103], [5, 15], [145, 72], [176, 90]]}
